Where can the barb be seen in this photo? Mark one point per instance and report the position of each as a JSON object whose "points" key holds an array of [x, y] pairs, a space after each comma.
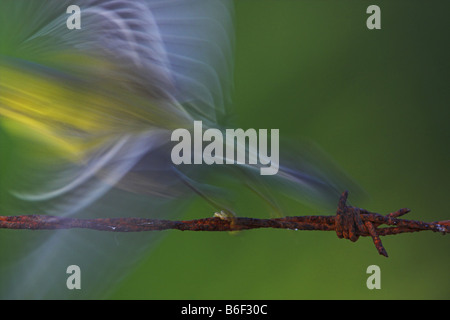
{"points": [[348, 223]]}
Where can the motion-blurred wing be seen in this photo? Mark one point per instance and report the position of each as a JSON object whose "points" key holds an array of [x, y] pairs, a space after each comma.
{"points": [[199, 41], [95, 102], [124, 75]]}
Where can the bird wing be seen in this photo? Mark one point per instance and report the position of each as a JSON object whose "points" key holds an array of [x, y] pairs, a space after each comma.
{"points": [[103, 95], [91, 104]]}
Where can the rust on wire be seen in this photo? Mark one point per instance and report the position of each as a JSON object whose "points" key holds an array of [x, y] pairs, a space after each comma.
{"points": [[348, 223]]}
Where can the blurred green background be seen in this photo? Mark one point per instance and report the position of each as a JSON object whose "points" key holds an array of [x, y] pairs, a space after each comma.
{"points": [[378, 102]]}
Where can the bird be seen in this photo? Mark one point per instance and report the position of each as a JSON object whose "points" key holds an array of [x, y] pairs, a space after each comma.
{"points": [[97, 106]]}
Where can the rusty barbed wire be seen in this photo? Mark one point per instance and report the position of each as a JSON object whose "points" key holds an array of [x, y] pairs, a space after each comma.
{"points": [[348, 223]]}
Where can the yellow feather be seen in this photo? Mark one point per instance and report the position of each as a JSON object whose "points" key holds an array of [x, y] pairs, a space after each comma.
{"points": [[74, 114]]}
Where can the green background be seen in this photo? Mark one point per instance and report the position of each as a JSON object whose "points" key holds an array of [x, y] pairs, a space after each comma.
{"points": [[378, 102]]}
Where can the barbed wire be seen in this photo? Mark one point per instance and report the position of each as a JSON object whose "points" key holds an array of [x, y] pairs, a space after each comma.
{"points": [[348, 223]]}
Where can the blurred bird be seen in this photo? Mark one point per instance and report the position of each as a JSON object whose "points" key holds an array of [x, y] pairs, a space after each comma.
{"points": [[100, 103]]}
